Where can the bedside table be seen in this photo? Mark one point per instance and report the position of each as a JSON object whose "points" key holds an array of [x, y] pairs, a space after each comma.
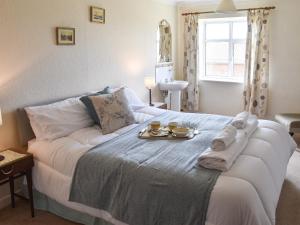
{"points": [[160, 105], [17, 164]]}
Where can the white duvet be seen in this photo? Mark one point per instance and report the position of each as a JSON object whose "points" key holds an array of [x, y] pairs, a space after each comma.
{"points": [[245, 195]]}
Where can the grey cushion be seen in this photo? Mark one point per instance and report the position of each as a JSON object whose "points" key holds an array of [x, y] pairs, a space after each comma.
{"points": [[291, 121], [89, 105], [113, 110]]}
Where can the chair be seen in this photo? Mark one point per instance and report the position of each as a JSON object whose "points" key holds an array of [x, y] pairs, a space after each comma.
{"points": [[291, 121]]}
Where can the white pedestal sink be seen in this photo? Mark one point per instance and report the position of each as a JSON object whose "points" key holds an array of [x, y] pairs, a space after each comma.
{"points": [[174, 89]]}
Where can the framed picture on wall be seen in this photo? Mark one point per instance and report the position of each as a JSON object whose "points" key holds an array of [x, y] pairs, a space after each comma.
{"points": [[97, 15], [65, 36]]}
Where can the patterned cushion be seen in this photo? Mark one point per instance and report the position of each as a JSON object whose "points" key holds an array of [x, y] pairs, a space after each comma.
{"points": [[113, 111], [89, 105]]}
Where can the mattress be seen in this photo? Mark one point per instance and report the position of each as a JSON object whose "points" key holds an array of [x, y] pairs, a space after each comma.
{"points": [[246, 194]]}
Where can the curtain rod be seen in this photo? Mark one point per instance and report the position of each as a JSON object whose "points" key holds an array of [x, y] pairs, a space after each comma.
{"points": [[198, 13]]}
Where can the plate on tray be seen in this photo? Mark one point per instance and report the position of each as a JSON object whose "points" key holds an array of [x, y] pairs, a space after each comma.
{"points": [[181, 131], [159, 133]]}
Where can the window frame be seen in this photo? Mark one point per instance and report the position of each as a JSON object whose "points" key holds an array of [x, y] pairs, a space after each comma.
{"points": [[231, 41]]}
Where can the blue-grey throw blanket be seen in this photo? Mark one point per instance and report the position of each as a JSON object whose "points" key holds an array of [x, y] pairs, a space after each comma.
{"points": [[150, 182]]}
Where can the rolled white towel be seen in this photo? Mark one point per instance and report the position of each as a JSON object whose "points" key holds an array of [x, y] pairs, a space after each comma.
{"points": [[224, 138], [240, 120], [223, 160], [251, 126]]}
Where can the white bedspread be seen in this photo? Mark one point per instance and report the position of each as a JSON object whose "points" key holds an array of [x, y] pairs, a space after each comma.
{"points": [[245, 195]]}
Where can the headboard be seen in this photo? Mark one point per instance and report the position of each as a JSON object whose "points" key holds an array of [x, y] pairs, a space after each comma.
{"points": [[24, 128]]}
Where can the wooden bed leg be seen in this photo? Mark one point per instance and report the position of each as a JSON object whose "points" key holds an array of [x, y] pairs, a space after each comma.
{"points": [[29, 185], [12, 192]]}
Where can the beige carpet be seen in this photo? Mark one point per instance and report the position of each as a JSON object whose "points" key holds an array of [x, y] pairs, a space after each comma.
{"points": [[288, 212]]}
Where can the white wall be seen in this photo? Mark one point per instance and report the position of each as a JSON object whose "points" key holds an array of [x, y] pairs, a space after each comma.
{"points": [[34, 69], [226, 98]]}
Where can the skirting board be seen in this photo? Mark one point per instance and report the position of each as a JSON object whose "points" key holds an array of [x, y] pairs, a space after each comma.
{"points": [[5, 200]]}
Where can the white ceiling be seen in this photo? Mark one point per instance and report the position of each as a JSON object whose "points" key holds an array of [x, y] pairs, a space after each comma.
{"points": [[201, 1], [188, 1], [175, 1]]}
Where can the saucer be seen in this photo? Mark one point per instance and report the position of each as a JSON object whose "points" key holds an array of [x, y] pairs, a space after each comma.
{"points": [[181, 131]]}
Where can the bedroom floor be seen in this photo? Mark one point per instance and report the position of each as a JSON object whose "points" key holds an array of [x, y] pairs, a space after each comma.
{"points": [[288, 212]]}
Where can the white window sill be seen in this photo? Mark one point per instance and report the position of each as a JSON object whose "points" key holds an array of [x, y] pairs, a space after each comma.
{"points": [[222, 80]]}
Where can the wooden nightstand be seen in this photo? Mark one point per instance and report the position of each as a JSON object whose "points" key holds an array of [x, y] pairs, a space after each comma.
{"points": [[15, 165], [160, 105]]}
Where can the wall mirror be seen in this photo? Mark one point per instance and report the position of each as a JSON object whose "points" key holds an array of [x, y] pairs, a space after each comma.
{"points": [[164, 42]]}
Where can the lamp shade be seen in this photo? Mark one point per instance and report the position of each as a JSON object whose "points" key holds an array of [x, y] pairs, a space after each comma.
{"points": [[149, 82], [226, 6]]}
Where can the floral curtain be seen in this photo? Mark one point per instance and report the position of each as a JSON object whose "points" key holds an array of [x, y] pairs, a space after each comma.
{"points": [[165, 42], [257, 63], [190, 101]]}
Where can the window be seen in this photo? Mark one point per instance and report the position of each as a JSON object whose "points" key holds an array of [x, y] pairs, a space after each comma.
{"points": [[222, 43]]}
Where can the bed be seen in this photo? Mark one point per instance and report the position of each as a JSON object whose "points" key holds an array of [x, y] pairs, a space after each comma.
{"points": [[247, 194]]}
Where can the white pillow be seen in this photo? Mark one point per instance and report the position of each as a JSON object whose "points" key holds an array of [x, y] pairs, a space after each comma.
{"points": [[59, 119], [134, 101]]}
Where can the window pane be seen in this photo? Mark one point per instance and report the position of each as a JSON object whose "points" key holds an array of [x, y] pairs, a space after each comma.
{"points": [[217, 58], [217, 31], [239, 59], [217, 52], [239, 30], [217, 69], [222, 47]]}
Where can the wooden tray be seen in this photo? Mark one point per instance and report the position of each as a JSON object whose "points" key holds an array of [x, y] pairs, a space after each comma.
{"points": [[145, 134]]}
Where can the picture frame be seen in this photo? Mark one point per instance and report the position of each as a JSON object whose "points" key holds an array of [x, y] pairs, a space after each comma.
{"points": [[65, 36], [97, 15]]}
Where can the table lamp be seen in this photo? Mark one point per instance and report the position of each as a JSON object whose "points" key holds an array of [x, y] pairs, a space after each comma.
{"points": [[1, 156], [150, 84]]}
